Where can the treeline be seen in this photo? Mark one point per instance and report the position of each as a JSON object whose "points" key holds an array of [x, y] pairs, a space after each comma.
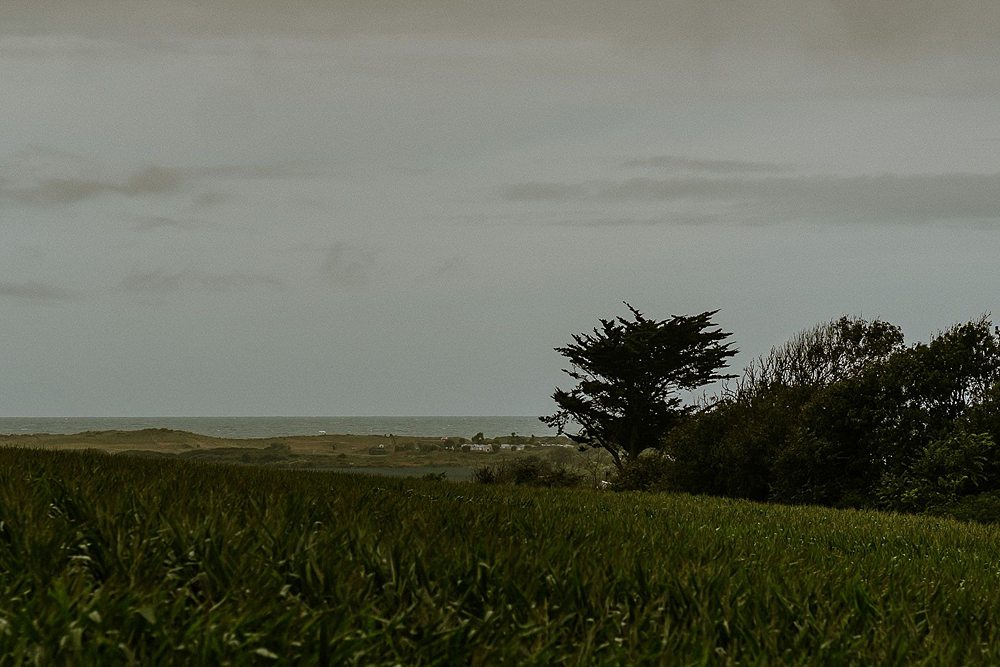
{"points": [[847, 415]]}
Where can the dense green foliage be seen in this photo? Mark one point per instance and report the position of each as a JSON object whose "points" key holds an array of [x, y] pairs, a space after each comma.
{"points": [[629, 374], [846, 415], [110, 559]]}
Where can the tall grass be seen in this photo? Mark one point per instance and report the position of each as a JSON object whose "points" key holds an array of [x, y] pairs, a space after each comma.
{"points": [[112, 560]]}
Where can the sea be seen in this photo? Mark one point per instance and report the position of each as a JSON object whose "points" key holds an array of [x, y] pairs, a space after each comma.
{"points": [[267, 427]]}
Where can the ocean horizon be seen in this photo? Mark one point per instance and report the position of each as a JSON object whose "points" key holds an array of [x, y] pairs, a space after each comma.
{"points": [[267, 427]]}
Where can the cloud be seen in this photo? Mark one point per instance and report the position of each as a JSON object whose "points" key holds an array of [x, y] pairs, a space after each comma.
{"points": [[906, 29], [446, 269], [64, 45], [44, 177], [41, 176], [931, 21], [154, 222], [165, 281], [673, 218], [784, 48], [208, 200], [348, 267], [682, 163], [873, 198], [36, 292], [538, 191], [249, 172]]}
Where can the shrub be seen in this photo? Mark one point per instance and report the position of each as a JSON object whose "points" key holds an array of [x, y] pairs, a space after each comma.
{"points": [[485, 475], [528, 471], [649, 472], [944, 470], [979, 507]]}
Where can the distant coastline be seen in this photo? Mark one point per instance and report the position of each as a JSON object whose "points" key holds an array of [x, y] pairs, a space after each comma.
{"points": [[266, 427]]}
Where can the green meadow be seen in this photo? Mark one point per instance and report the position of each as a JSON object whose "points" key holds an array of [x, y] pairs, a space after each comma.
{"points": [[122, 560]]}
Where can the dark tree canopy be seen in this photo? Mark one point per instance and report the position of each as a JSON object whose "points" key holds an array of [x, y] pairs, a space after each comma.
{"points": [[845, 414], [629, 374], [819, 356]]}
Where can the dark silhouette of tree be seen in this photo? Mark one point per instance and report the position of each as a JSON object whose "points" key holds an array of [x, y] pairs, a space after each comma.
{"points": [[820, 356], [735, 446], [876, 425], [629, 376], [846, 415]]}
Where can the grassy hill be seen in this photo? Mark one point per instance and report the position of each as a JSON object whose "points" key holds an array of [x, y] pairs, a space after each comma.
{"points": [[111, 560]]}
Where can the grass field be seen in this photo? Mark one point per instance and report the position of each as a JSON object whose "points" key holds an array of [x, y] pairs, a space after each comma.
{"points": [[314, 452], [113, 559]]}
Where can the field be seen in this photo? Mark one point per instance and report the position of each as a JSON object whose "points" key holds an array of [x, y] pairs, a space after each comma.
{"points": [[118, 560], [390, 454]]}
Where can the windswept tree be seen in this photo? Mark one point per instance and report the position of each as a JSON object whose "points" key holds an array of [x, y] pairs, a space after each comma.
{"points": [[630, 375], [733, 448], [817, 357]]}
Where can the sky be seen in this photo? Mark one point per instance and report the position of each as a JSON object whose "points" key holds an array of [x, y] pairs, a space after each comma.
{"points": [[336, 207]]}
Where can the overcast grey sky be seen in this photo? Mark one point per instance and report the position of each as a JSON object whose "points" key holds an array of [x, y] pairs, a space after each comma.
{"points": [[355, 208]]}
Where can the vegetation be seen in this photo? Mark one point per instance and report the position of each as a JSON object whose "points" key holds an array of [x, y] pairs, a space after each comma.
{"points": [[117, 560], [846, 415], [165, 557], [318, 452], [530, 471], [629, 374]]}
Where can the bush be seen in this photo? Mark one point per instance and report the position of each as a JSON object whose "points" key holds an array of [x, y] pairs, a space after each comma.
{"points": [[561, 476], [945, 470], [528, 471], [649, 472], [485, 475], [979, 507]]}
